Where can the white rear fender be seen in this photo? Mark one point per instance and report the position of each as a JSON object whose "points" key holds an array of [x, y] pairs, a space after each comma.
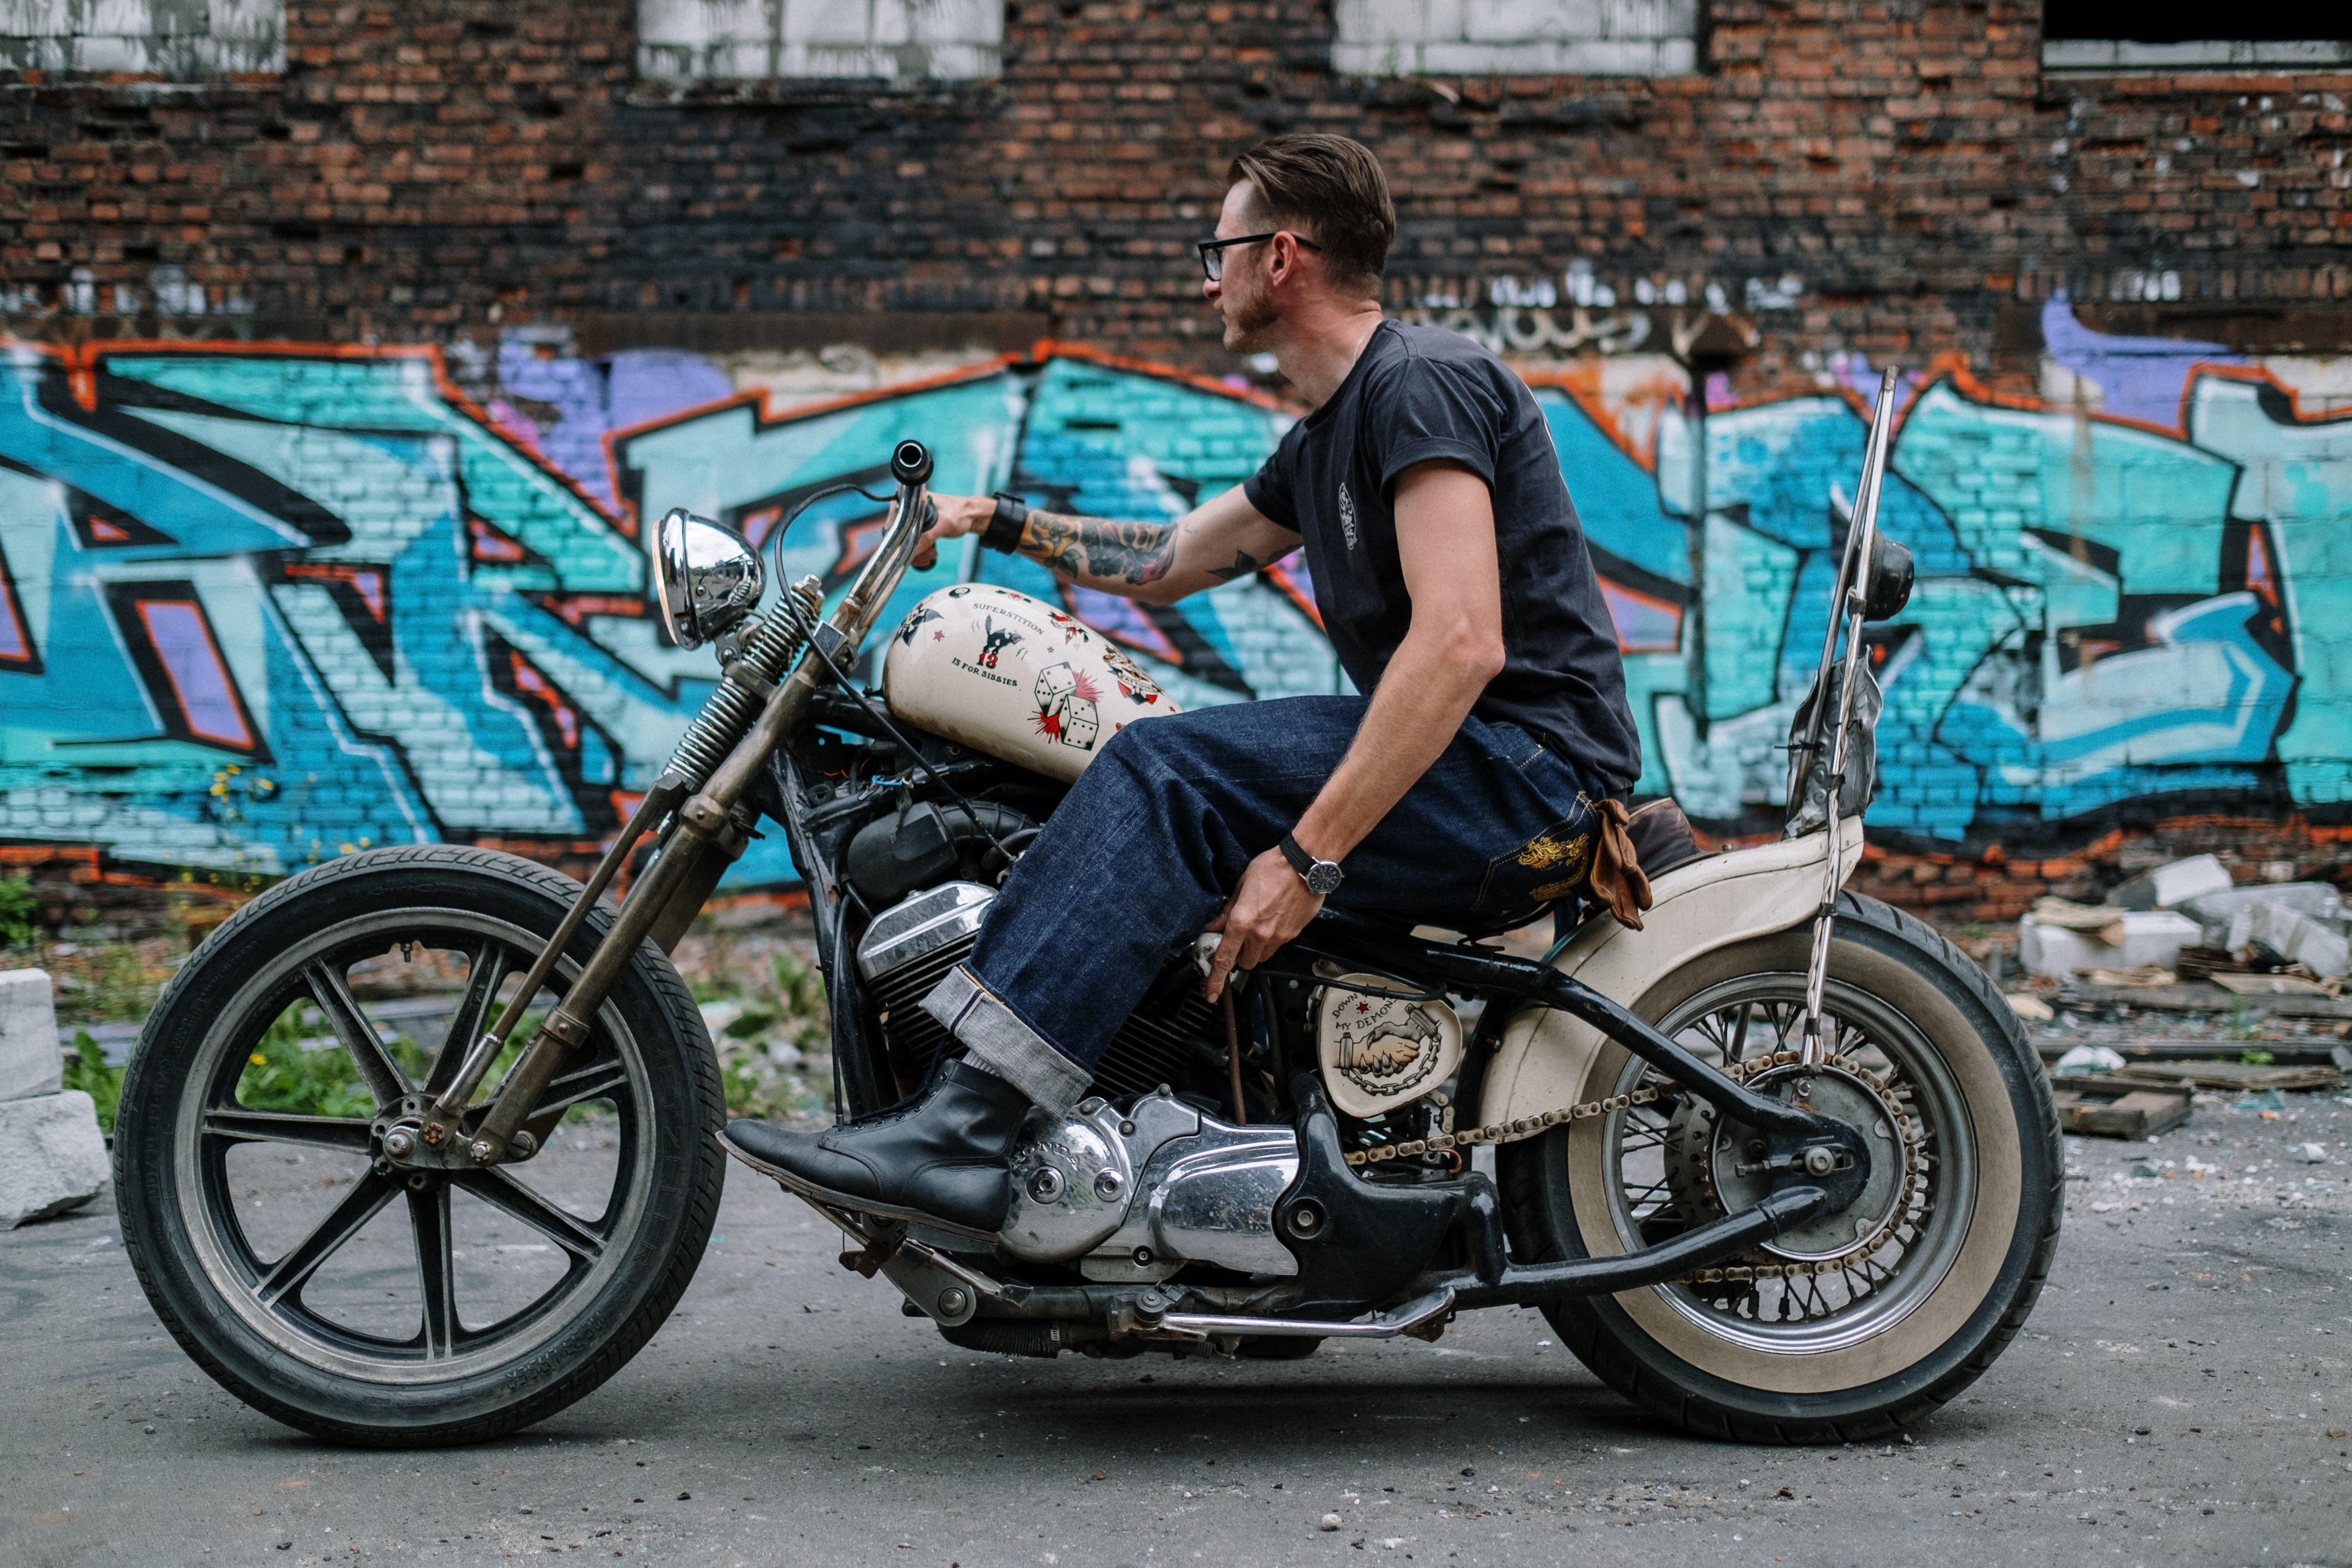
{"points": [[1708, 904]]}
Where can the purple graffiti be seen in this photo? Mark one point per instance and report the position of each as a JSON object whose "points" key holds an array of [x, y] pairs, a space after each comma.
{"points": [[581, 399], [2137, 378]]}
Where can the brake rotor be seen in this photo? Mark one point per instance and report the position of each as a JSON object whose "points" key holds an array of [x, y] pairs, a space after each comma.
{"points": [[1712, 1170]]}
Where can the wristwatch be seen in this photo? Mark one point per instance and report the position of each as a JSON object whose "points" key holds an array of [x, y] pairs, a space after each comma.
{"points": [[1003, 532], [1322, 877]]}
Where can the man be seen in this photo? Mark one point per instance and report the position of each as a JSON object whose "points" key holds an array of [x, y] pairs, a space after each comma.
{"points": [[1455, 584]]}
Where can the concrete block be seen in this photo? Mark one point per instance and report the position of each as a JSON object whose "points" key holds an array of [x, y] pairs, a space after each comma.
{"points": [[2057, 952], [29, 1062], [2217, 912], [2152, 936], [2297, 938], [52, 1158], [2170, 886]]}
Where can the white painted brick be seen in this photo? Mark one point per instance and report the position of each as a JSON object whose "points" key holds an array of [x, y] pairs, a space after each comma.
{"points": [[755, 39], [1532, 37], [175, 39]]}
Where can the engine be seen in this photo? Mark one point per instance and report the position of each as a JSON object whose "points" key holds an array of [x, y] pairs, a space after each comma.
{"points": [[1135, 1194], [912, 944], [1130, 1195]]}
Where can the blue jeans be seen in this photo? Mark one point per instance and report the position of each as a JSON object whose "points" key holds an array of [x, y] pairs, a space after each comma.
{"points": [[1153, 836]]}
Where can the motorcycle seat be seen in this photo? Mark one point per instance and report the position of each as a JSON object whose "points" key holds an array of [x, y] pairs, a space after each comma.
{"points": [[1663, 839]]}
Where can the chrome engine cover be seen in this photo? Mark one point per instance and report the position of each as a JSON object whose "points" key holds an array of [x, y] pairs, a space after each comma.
{"points": [[1133, 1196]]}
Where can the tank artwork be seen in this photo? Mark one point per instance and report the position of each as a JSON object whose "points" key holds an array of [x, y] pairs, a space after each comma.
{"points": [[1015, 677], [263, 605]]}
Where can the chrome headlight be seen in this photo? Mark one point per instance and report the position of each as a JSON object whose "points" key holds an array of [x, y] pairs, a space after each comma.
{"points": [[706, 577]]}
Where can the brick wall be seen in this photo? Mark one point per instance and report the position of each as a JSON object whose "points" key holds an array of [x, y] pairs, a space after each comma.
{"points": [[376, 362], [434, 167]]}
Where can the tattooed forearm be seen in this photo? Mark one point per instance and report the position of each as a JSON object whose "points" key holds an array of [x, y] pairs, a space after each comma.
{"points": [[1243, 565], [1104, 549]]}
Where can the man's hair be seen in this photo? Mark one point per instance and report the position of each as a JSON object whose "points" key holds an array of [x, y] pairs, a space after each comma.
{"points": [[1333, 190]]}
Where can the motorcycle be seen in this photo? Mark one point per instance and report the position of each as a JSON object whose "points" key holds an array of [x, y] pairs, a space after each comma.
{"points": [[1776, 1161]]}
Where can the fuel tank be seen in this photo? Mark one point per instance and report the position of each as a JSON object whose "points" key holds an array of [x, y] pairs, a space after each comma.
{"points": [[1015, 678]]}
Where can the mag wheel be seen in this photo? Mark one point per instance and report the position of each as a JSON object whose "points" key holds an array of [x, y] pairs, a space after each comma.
{"points": [[1858, 1322], [371, 1304]]}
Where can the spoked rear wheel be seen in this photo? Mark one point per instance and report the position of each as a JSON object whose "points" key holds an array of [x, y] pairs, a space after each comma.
{"points": [[368, 1303], [1855, 1323]]}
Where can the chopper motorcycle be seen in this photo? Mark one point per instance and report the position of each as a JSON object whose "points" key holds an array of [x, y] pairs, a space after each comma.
{"points": [[1776, 1161]]}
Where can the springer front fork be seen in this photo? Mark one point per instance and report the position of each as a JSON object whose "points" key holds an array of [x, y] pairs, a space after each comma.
{"points": [[700, 795], [1848, 599]]}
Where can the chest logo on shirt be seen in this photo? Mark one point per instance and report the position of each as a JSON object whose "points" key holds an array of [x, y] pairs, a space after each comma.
{"points": [[1348, 515]]}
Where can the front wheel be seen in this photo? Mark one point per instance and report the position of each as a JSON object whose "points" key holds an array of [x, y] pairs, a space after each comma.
{"points": [[374, 1305], [1857, 1323]]}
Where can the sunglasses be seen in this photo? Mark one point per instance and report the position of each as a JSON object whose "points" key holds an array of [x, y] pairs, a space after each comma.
{"points": [[1213, 251]]}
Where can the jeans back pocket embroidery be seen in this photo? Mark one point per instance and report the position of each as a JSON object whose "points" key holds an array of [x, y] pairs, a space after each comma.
{"points": [[1551, 865]]}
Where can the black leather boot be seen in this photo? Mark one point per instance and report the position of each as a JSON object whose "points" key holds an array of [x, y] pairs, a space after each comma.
{"points": [[942, 1158]]}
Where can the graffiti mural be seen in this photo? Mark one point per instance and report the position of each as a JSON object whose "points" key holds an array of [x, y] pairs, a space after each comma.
{"points": [[259, 606], [2110, 607]]}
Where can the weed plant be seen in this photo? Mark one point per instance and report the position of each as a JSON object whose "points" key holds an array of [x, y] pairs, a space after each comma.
{"points": [[781, 1025], [88, 1071], [19, 913]]}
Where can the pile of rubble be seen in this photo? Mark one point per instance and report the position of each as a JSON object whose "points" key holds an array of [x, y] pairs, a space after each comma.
{"points": [[2185, 989], [52, 1158], [2188, 920]]}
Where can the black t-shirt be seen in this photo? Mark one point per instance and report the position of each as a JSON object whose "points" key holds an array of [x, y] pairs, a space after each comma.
{"points": [[1419, 392]]}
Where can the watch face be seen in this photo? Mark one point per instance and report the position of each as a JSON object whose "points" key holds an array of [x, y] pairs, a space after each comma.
{"points": [[1323, 878]]}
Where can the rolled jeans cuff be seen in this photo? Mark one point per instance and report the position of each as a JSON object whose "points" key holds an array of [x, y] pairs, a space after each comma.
{"points": [[997, 1036]]}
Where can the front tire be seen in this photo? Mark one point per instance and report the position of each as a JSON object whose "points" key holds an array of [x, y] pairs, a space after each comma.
{"points": [[373, 1305], [1846, 1334]]}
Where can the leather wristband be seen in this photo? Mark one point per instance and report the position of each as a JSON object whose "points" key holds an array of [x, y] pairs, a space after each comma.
{"points": [[1003, 531]]}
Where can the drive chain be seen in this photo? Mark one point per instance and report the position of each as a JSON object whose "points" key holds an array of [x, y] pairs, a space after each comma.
{"points": [[1524, 1127]]}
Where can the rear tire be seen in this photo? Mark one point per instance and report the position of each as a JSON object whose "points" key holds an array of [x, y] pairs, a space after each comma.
{"points": [[294, 1289], [1851, 1354]]}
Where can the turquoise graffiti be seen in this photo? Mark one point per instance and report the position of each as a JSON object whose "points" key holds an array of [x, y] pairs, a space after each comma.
{"points": [[261, 607], [2108, 613]]}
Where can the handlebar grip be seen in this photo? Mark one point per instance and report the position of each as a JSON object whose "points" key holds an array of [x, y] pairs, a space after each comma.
{"points": [[910, 463]]}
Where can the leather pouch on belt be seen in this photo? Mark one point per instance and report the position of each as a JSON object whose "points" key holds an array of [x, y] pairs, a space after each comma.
{"points": [[1617, 880]]}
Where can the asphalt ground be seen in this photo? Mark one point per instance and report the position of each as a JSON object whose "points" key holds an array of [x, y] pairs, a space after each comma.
{"points": [[2181, 1396]]}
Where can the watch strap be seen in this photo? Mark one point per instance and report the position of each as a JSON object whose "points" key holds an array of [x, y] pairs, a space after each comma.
{"points": [[1300, 860], [1304, 864], [1003, 531]]}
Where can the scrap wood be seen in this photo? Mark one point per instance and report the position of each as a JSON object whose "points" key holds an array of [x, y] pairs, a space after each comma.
{"points": [[2199, 963], [2100, 1108], [2152, 975], [2308, 1049], [2177, 999], [2226, 1075], [2031, 1009], [2270, 985], [2313, 1008], [2068, 915]]}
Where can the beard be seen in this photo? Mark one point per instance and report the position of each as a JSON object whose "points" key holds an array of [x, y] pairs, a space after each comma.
{"points": [[1249, 317]]}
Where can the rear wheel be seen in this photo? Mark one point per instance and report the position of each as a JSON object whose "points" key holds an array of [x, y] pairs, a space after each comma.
{"points": [[371, 1304], [1857, 1323]]}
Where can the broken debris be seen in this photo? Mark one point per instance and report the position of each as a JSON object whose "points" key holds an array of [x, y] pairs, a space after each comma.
{"points": [[2090, 1060], [2101, 1108], [2170, 886], [52, 1158], [2269, 985], [2249, 1076]]}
